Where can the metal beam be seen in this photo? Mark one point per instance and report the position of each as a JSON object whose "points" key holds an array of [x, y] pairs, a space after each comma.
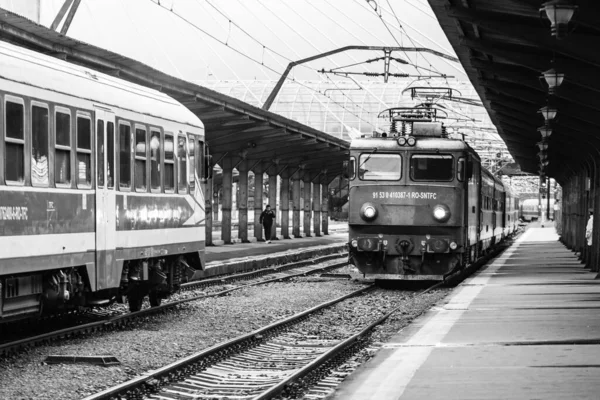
{"points": [[292, 64]]}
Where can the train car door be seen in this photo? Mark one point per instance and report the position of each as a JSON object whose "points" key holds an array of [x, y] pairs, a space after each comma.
{"points": [[107, 275]]}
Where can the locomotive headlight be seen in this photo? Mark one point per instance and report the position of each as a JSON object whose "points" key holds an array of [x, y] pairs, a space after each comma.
{"points": [[441, 213], [368, 212], [354, 243], [411, 141], [402, 141], [453, 246]]}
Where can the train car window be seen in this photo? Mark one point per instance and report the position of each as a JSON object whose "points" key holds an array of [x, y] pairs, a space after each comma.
{"points": [[192, 160], [62, 147], [14, 157], [431, 167], [110, 154], [155, 159], [200, 162], [140, 159], [124, 156], [39, 145], [182, 163], [380, 167], [169, 163], [100, 152], [84, 151]]}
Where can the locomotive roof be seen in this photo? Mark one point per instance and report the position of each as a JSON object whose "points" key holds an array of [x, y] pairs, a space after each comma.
{"points": [[423, 143], [32, 68]]}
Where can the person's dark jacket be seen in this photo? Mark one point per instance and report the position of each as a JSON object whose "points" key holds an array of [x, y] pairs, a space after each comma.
{"points": [[267, 217]]}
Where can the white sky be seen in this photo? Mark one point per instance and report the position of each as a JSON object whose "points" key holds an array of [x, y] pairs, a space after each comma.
{"points": [[175, 36], [155, 35]]}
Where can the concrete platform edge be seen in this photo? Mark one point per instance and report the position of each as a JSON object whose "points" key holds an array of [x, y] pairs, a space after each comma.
{"points": [[259, 262]]}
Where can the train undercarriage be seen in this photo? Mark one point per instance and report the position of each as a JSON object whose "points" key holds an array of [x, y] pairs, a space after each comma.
{"points": [[68, 289]]}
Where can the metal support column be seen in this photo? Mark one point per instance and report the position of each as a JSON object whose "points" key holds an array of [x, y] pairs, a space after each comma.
{"points": [[285, 204], [317, 208], [325, 208], [307, 203], [242, 201], [258, 201], [296, 205], [208, 210], [227, 200]]}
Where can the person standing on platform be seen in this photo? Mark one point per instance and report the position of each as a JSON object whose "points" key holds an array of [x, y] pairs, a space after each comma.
{"points": [[266, 219], [589, 229]]}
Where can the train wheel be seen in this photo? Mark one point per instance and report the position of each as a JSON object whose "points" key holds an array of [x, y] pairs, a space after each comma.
{"points": [[154, 299], [135, 302]]}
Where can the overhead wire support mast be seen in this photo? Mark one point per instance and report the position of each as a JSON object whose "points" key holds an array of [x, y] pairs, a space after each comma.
{"points": [[292, 64]]}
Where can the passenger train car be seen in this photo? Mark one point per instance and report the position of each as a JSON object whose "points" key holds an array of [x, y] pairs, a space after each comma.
{"points": [[531, 209], [421, 205], [100, 188]]}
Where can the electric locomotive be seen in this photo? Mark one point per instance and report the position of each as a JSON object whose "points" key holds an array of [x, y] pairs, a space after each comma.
{"points": [[421, 206], [101, 196]]}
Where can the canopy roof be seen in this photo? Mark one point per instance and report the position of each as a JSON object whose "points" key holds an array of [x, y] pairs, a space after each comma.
{"points": [[505, 46]]}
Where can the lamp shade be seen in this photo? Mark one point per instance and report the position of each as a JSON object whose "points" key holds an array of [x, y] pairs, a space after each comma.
{"points": [[553, 78], [545, 131], [560, 13], [549, 113]]}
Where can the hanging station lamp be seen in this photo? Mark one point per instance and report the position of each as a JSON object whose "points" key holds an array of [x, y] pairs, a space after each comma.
{"points": [[560, 13], [554, 79], [549, 113], [543, 145], [545, 131]]}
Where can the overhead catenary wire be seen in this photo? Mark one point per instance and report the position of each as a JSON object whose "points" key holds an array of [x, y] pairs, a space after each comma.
{"points": [[187, 21], [313, 46]]}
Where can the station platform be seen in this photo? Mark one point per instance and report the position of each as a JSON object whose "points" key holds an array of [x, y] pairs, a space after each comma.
{"points": [[237, 250], [242, 257], [526, 326]]}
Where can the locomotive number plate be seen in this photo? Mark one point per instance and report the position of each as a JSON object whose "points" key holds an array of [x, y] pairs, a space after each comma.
{"points": [[405, 195]]}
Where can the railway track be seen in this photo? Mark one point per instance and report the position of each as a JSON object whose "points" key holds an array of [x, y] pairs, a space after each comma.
{"points": [[218, 286], [275, 361], [279, 359]]}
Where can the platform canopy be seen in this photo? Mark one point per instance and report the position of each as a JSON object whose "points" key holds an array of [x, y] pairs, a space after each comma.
{"points": [[234, 129], [506, 47]]}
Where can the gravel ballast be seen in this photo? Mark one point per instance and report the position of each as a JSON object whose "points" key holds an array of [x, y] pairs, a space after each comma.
{"points": [[156, 341]]}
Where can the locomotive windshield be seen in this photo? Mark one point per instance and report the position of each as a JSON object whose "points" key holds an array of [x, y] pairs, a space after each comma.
{"points": [[380, 167], [431, 167]]}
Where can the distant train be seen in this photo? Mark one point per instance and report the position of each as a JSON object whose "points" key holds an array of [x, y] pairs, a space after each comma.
{"points": [[421, 205], [100, 188], [531, 209]]}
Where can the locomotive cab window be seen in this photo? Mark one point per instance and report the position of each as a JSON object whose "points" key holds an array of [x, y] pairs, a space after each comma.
{"points": [[14, 125], [39, 144], [431, 167], [62, 147], [380, 167], [84, 151]]}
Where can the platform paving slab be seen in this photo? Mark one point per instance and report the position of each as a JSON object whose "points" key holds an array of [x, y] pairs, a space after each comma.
{"points": [[527, 326]]}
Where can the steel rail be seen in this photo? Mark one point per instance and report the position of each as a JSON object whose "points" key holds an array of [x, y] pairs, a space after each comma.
{"points": [[171, 369], [119, 320]]}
